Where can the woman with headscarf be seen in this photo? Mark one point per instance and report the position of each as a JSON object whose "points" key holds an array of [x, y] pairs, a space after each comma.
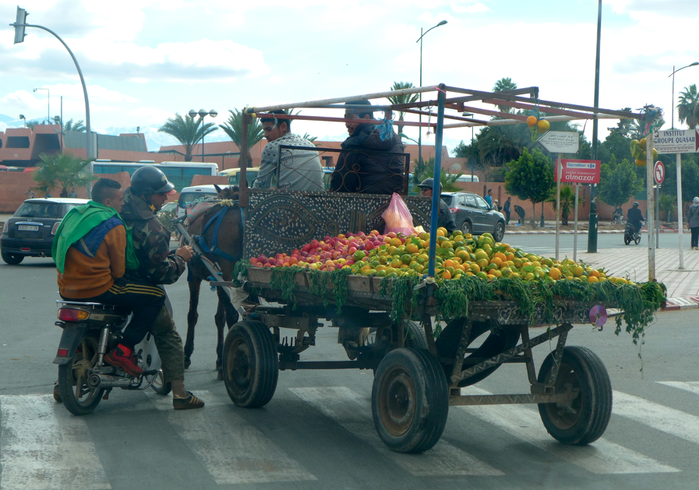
{"points": [[693, 222]]}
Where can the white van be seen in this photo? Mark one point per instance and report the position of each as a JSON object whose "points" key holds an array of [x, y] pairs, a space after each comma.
{"points": [[190, 194], [467, 178]]}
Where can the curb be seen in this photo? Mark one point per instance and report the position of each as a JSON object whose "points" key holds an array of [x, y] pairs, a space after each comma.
{"points": [[675, 304], [581, 232]]}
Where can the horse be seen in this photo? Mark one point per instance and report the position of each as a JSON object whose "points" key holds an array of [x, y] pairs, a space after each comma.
{"points": [[224, 249]]}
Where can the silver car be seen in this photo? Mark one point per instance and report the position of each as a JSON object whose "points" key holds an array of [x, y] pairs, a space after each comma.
{"points": [[472, 214]]}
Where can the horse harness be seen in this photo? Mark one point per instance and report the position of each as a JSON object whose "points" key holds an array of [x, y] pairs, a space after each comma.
{"points": [[216, 221]]}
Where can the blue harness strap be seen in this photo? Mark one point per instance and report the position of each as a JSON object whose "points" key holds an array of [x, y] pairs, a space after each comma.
{"points": [[218, 219]]}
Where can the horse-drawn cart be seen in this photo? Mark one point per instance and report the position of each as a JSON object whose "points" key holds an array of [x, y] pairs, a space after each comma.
{"points": [[416, 376]]}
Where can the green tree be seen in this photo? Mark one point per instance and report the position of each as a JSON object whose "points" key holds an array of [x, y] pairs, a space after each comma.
{"points": [[530, 177], [76, 127], [402, 99], [503, 85], [188, 130], [688, 106], [618, 182], [567, 202], [64, 171], [233, 127], [427, 171]]}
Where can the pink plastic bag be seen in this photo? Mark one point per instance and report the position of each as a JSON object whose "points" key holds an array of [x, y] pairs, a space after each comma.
{"points": [[397, 217]]}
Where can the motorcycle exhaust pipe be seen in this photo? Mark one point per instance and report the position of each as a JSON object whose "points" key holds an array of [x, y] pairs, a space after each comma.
{"points": [[108, 381]]}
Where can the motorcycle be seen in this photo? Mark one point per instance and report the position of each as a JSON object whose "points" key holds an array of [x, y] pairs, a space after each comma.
{"points": [[90, 330], [631, 235]]}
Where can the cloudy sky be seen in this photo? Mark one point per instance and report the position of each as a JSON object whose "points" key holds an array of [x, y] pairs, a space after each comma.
{"points": [[145, 60]]}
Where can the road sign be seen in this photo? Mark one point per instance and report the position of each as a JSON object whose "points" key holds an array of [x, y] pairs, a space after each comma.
{"points": [[676, 141], [659, 172], [580, 171], [560, 141]]}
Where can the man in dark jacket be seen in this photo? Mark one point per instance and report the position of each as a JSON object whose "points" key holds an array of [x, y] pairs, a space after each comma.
{"points": [[508, 209], [369, 163], [148, 192], [635, 217], [444, 217]]}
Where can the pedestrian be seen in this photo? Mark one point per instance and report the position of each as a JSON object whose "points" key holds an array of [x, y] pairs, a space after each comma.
{"points": [[520, 212], [30, 194], [73, 193], [489, 197], [693, 222], [508, 209]]}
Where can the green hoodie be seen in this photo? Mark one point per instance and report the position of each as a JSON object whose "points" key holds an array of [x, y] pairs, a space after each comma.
{"points": [[77, 223]]}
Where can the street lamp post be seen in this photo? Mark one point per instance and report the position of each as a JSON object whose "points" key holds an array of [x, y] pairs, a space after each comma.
{"points": [[672, 123], [470, 160], [593, 219], [48, 104], [202, 113], [419, 137], [22, 118]]}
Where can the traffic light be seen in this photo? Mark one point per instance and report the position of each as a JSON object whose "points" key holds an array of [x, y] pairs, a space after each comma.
{"points": [[19, 25]]}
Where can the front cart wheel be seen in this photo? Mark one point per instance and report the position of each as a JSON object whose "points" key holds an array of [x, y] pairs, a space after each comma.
{"points": [[250, 364], [76, 393], [586, 418], [410, 400]]}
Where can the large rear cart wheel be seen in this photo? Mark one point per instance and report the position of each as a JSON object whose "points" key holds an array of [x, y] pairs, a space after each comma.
{"points": [[586, 419], [77, 395], [498, 341], [250, 364], [410, 400]]}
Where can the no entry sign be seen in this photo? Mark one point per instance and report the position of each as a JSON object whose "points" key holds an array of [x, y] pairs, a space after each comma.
{"points": [[659, 172], [579, 171]]}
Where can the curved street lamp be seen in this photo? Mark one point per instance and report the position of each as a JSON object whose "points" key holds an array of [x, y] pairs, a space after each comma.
{"points": [[202, 113], [419, 138], [673, 88]]}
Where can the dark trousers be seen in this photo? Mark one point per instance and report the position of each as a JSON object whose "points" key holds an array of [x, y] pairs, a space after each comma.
{"points": [[507, 217], [695, 236], [143, 299]]}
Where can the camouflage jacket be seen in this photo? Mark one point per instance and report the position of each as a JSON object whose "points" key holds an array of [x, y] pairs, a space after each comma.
{"points": [[151, 242]]}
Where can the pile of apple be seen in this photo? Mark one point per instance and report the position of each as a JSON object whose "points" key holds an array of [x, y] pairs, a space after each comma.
{"points": [[457, 255]]}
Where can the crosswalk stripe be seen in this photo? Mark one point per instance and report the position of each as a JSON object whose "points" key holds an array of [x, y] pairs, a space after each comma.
{"points": [[602, 457], [660, 417], [353, 413], [44, 447], [691, 386], [231, 449]]}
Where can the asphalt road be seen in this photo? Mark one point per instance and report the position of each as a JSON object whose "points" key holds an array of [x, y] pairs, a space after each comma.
{"points": [[317, 432]]}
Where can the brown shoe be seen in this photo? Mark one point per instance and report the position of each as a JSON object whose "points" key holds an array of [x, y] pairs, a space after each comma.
{"points": [[186, 403]]}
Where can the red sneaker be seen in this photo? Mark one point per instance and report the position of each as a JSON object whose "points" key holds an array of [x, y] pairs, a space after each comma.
{"points": [[122, 357]]}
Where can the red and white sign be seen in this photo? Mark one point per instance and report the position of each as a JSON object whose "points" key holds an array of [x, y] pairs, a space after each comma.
{"points": [[659, 172], [580, 171]]}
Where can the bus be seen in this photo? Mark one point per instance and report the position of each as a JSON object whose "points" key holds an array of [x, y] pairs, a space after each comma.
{"points": [[233, 175], [179, 173]]}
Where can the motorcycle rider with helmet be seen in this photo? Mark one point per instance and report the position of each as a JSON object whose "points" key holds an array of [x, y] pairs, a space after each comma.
{"points": [[444, 218], [157, 265], [635, 217]]}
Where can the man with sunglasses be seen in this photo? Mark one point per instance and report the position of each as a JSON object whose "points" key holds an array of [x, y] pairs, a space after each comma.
{"points": [[294, 169]]}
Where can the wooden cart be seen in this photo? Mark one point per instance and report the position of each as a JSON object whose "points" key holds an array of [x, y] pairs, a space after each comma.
{"points": [[417, 377]]}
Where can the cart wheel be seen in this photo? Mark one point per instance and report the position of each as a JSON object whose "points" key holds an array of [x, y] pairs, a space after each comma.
{"points": [[410, 400], [415, 335], [586, 419], [498, 341], [250, 364]]}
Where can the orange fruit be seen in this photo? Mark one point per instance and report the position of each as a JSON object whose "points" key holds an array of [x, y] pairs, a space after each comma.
{"points": [[555, 273], [411, 248], [542, 126], [446, 275], [531, 121], [640, 163], [475, 268], [496, 260], [592, 279]]}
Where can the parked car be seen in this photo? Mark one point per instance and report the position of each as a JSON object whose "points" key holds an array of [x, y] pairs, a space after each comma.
{"points": [[193, 193], [472, 214], [30, 231]]}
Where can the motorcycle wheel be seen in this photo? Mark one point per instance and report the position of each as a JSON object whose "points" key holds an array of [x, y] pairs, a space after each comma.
{"points": [[160, 386], [78, 397], [637, 239], [626, 239]]}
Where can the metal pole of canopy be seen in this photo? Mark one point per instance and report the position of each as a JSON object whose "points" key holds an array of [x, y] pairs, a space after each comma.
{"points": [[316, 103], [243, 161], [437, 172]]}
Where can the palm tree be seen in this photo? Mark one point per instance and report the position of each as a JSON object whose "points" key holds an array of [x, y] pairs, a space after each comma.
{"points": [[402, 99], [426, 171], [503, 85], [234, 129], [688, 106], [567, 202], [65, 171], [77, 127], [188, 131]]}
